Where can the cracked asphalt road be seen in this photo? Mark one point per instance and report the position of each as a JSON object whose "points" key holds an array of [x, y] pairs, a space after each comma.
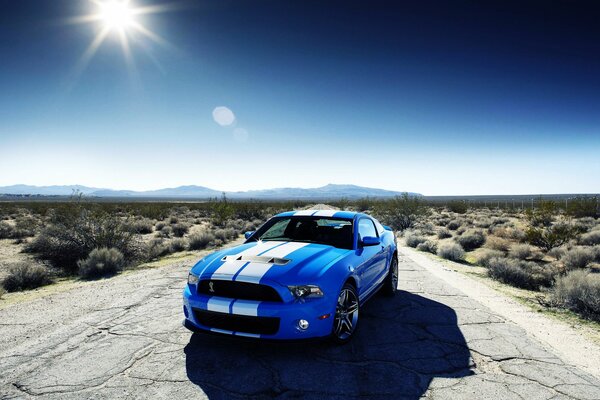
{"points": [[122, 338]]}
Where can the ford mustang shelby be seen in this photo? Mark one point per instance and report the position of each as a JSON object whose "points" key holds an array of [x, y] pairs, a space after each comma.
{"points": [[303, 274]]}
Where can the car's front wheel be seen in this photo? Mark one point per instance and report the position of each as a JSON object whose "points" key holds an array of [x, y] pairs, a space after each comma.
{"points": [[390, 285], [345, 321]]}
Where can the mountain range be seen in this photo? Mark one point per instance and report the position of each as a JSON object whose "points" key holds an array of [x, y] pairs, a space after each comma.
{"points": [[331, 191]]}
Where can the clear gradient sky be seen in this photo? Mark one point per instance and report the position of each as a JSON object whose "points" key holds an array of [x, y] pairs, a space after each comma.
{"points": [[441, 98]]}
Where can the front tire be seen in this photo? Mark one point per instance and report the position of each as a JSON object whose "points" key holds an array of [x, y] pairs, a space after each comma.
{"points": [[345, 321], [390, 284]]}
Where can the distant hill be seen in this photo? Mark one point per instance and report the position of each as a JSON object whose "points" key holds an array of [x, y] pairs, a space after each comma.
{"points": [[330, 191]]}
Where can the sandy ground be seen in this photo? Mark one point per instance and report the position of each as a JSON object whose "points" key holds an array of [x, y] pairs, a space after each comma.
{"points": [[440, 337]]}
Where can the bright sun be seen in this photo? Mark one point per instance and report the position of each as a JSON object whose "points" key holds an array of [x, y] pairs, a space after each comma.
{"points": [[116, 14]]}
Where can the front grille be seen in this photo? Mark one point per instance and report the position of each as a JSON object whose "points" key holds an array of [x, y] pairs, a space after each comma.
{"points": [[238, 290], [237, 323]]}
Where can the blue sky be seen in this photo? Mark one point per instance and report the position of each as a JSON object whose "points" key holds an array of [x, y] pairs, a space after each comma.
{"points": [[431, 97]]}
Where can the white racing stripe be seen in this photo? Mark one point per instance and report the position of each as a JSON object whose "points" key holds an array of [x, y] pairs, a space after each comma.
{"points": [[304, 212], [218, 304], [254, 272], [325, 213], [231, 267], [245, 307]]}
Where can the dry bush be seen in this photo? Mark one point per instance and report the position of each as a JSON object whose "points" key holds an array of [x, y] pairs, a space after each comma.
{"points": [[179, 229], [200, 241], [173, 220], [483, 222], [401, 212], [578, 257], [523, 274], [6, 230], [413, 239], [177, 245], [141, 226], [451, 251], [590, 238], [157, 248], [509, 233], [23, 276], [557, 252], [471, 240], [521, 251], [548, 237], [101, 262], [225, 235], [444, 233], [454, 224], [484, 257], [165, 232], [496, 243], [429, 246], [2, 291], [160, 225], [578, 291], [72, 234]]}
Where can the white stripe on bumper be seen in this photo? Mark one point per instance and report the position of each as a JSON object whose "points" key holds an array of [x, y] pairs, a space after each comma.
{"points": [[218, 304]]}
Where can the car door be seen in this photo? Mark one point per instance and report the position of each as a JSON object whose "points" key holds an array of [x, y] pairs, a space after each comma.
{"points": [[372, 257]]}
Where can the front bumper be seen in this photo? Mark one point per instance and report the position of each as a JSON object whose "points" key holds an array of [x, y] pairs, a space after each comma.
{"points": [[287, 313]]}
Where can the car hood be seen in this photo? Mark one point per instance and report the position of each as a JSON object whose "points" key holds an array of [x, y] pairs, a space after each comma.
{"points": [[283, 262]]}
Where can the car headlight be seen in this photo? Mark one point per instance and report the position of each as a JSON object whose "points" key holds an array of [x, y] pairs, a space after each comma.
{"points": [[192, 279], [305, 291]]}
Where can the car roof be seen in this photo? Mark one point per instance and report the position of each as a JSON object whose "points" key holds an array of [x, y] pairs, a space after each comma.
{"points": [[322, 213]]}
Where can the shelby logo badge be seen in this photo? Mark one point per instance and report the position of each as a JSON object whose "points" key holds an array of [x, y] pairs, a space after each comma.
{"points": [[211, 287]]}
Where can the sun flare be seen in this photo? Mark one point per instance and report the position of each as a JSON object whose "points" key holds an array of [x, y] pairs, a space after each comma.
{"points": [[116, 14], [121, 18]]}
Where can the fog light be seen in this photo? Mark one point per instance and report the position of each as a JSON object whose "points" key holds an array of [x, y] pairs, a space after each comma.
{"points": [[303, 324]]}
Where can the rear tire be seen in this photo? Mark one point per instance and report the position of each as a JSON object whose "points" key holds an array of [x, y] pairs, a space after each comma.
{"points": [[347, 309], [390, 284]]}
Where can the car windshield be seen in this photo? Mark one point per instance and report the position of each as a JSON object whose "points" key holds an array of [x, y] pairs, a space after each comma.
{"points": [[335, 232]]}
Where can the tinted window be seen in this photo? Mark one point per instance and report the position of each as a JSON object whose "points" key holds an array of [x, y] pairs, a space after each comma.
{"points": [[331, 231], [366, 228], [379, 227]]}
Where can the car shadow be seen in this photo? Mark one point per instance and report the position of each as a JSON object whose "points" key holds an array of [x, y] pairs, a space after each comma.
{"points": [[401, 344]]}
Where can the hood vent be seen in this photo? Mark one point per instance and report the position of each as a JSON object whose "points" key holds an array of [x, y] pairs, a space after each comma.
{"points": [[257, 259]]}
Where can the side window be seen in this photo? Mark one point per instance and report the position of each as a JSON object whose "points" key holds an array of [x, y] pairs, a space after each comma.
{"points": [[379, 227], [366, 228]]}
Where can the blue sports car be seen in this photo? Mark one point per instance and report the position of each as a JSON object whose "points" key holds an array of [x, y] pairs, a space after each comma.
{"points": [[303, 274]]}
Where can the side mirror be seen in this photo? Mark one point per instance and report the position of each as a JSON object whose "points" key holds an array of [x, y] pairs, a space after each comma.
{"points": [[248, 234], [370, 241], [387, 228]]}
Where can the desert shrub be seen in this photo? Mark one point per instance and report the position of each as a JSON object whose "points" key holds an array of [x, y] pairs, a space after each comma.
{"points": [[222, 211], [578, 291], [177, 245], [471, 239], [451, 251], [461, 230], [484, 257], [414, 239], [543, 214], [523, 274], [401, 212], [458, 206], [549, 237], [157, 248], [160, 225], [590, 238], [6, 230], [521, 251], [557, 252], [508, 233], [179, 230], [173, 220], [429, 246], [444, 233], [165, 232], [225, 234], [23, 276], [101, 262], [2, 291], [73, 233], [578, 257], [141, 226], [199, 241], [454, 224], [483, 222], [497, 243]]}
